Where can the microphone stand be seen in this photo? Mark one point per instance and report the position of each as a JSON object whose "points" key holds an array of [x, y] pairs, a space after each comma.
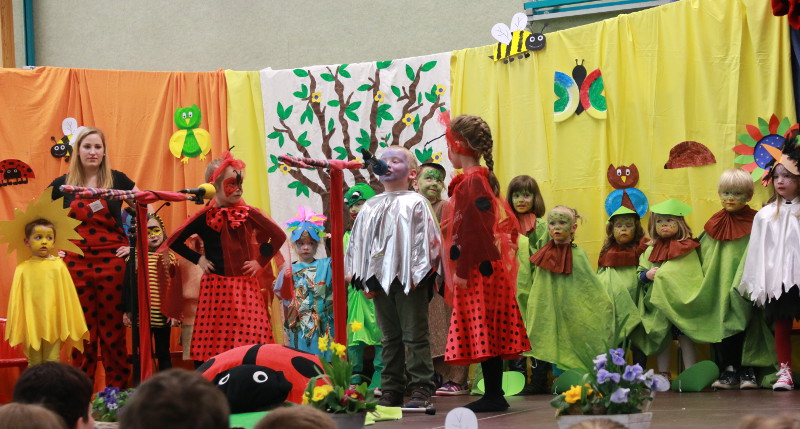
{"points": [[133, 299]]}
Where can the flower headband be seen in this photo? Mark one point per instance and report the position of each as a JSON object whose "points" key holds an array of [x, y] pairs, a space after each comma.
{"points": [[306, 221], [227, 160], [455, 141]]}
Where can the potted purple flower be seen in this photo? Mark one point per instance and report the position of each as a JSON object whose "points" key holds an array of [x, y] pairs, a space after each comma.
{"points": [[612, 389]]}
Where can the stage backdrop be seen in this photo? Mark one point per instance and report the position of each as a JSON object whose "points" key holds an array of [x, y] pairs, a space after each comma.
{"points": [[693, 70], [333, 111]]}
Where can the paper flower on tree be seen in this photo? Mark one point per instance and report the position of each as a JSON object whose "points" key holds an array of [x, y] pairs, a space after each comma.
{"points": [[753, 154], [306, 221], [13, 231]]}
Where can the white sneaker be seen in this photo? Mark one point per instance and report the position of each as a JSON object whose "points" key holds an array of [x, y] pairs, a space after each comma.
{"points": [[784, 382]]}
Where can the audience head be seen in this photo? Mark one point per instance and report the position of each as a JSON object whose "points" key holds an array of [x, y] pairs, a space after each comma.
{"points": [[786, 421], [60, 388], [296, 417], [29, 416], [176, 399]]}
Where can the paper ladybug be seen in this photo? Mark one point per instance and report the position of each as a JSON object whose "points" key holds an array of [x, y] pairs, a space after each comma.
{"points": [[261, 376], [14, 172]]}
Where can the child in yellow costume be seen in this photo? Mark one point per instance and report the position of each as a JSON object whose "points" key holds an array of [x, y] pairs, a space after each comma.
{"points": [[43, 307]]}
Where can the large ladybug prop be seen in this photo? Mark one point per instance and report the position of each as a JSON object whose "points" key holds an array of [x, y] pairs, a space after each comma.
{"points": [[14, 172], [261, 376]]}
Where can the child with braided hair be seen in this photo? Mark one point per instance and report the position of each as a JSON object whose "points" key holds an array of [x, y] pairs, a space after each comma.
{"points": [[480, 234]]}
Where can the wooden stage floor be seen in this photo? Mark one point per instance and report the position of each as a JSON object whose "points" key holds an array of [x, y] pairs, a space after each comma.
{"points": [[707, 410]]}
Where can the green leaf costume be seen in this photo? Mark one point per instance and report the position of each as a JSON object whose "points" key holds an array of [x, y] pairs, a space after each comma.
{"points": [[569, 315], [360, 309], [622, 286]]}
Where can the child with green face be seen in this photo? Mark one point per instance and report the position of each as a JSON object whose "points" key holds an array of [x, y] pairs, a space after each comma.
{"points": [[565, 288], [616, 269], [722, 248], [430, 183]]}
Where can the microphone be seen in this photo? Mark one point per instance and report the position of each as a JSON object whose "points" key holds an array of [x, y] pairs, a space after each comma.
{"points": [[378, 165], [205, 191]]}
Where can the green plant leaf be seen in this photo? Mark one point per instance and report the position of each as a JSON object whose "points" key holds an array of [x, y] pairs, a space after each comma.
{"points": [[303, 93], [416, 123], [330, 124], [410, 73], [342, 152], [284, 114], [428, 66], [343, 72], [380, 65], [364, 87], [300, 73], [353, 106], [351, 115], [333, 103], [327, 76], [396, 91], [303, 139]]}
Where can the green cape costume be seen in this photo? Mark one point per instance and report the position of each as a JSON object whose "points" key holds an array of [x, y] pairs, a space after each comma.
{"points": [[360, 309], [622, 286], [569, 317]]}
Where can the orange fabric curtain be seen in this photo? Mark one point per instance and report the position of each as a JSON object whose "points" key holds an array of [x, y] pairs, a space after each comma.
{"points": [[135, 111]]}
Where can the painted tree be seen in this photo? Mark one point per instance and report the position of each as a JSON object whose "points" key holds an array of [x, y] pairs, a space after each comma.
{"points": [[343, 132]]}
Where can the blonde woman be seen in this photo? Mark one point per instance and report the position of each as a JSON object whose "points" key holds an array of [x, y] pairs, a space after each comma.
{"points": [[99, 273]]}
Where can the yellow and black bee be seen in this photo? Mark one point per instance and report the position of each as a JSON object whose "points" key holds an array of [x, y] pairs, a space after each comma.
{"points": [[515, 41]]}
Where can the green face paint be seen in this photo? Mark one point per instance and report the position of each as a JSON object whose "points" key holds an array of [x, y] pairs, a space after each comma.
{"points": [[624, 229], [733, 201], [560, 226], [523, 201], [666, 226], [431, 183]]}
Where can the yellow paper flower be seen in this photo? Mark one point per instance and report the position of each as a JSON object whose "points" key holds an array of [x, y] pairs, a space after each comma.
{"points": [[440, 90], [339, 349], [408, 119], [320, 392], [323, 343], [572, 395], [356, 326], [437, 157], [305, 399], [379, 97], [284, 168], [316, 97]]}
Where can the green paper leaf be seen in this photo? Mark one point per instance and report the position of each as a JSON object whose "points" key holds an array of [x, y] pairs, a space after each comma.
{"points": [[327, 76], [757, 173], [300, 189], [380, 65], [364, 87], [353, 106], [419, 98], [281, 140], [343, 71], [416, 123], [763, 126], [387, 116], [743, 159], [396, 91], [783, 126], [428, 66], [431, 97], [272, 169], [330, 124], [352, 116], [303, 93], [273, 158], [308, 115], [363, 139], [284, 114], [410, 73], [342, 152], [274, 135], [303, 139], [442, 109], [384, 107], [300, 72], [333, 103]]}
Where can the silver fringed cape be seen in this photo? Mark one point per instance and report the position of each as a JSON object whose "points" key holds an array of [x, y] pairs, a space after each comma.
{"points": [[394, 235]]}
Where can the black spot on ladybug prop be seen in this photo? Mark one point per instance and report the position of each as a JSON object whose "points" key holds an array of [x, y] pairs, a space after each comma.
{"points": [[14, 172], [262, 376]]}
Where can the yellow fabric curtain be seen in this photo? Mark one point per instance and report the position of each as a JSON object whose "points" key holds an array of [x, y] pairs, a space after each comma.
{"points": [[690, 70]]}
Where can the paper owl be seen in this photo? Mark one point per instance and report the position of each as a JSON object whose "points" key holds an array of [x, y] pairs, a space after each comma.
{"points": [[189, 141], [623, 178]]}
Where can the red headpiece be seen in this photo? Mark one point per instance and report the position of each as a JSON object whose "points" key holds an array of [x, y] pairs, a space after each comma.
{"points": [[455, 141], [227, 160]]}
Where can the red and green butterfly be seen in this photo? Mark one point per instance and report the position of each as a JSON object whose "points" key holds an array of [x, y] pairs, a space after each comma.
{"points": [[579, 92]]}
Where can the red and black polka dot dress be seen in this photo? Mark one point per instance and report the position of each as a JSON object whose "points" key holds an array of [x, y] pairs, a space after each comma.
{"points": [[231, 309], [477, 230]]}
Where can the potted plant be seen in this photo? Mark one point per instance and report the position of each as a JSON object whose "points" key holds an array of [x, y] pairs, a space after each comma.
{"points": [[612, 389], [107, 404], [333, 392]]}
